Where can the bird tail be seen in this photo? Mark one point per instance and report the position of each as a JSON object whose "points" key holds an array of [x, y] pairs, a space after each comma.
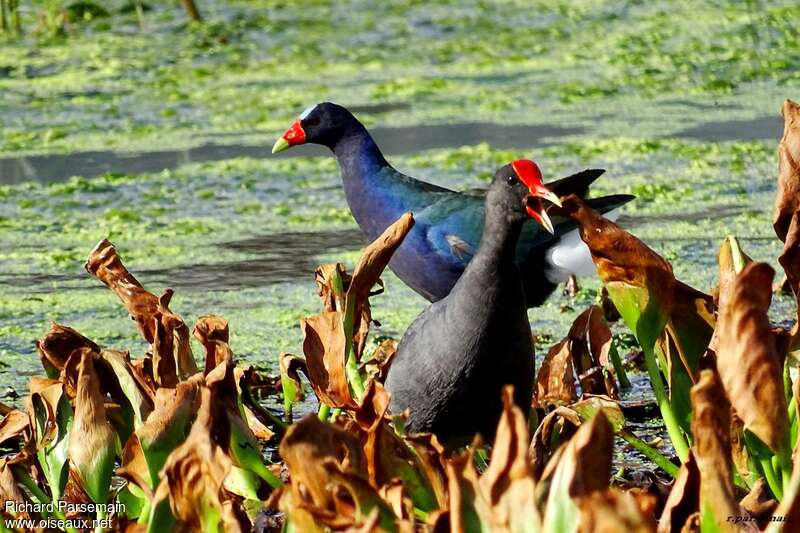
{"points": [[577, 183], [604, 204]]}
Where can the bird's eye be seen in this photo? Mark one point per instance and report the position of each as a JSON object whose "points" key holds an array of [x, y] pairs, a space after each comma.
{"points": [[511, 180], [312, 120]]}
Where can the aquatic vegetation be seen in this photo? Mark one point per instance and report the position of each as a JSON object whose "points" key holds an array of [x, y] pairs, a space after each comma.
{"points": [[160, 443]]}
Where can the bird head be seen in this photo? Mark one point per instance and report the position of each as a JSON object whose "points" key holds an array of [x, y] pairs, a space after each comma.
{"points": [[519, 188], [321, 123]]}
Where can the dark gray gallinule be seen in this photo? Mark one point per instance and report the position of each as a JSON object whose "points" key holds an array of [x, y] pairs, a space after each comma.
{"points": [[455, 358], [448, 224]]}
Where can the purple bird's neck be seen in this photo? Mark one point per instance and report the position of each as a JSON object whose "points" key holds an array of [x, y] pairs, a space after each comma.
{"points": [[357, 154], [374, 192]]}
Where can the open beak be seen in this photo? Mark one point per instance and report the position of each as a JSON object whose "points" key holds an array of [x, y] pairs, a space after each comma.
{"points": [[546, 194], [528, 173], [538, 213], [293, 136]]}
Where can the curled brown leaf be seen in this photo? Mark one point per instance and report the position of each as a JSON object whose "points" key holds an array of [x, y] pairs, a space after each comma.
{"points": [[613, 511], [712, 449], [555, 382], [304, 448], [747, 360], [104, 263], [324, 348], [195, 471], [59, 343], [213, 333], [92, 440], [14, 426], [787, 201], [683, 500], [618, 255], [508, 483]]}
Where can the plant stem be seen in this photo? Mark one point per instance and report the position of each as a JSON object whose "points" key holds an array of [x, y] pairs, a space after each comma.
{"points": [[346, 306], [13, 6], [613, 354], [353, 372], [23, 477], [673, 428], [3, 19], [139, 13], [101, 514], [264, 415], [324, 412], [772, 479], [287, 401], [481, 460], [651, 453], [336, 412], [191, 10]]}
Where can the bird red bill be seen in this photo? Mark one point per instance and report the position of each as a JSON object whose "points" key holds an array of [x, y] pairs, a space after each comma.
{"points": [[537, 212], [295, 134], [528, 173]]}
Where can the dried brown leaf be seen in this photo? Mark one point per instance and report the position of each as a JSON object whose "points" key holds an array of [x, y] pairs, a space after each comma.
{"points": [[381, 360], [430, 457], [324, 276], [739, 453], [104, 263], [124, 383], [49, 391], [590, 343], [508, 483], [195, 471], [712, 449], [212, 332], [790, 261], [748, 363], [172, 354], [10, 492], [324, 348], [374, 259], [618, 255], [163, 428], [587, 457], [787, 201], [684, 498], [59, 343], [14, 426], [613, 511], [92, 440], [759, 502], [467, 501], [555, 383], [304, 448], [555, 428]]}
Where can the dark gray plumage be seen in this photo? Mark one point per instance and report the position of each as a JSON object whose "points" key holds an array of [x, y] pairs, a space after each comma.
{"points": [[456, 356]]}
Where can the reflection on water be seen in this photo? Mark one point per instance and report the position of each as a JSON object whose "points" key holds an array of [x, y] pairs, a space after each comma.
{"points": [[393, 141], [274, 258]]}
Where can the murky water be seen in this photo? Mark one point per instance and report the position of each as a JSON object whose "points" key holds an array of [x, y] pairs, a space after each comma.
{"points": [[393, 141]]}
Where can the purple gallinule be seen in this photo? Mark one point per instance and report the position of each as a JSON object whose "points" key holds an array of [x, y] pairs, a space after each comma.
{"points": [[448, 224], [455, 358]]}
